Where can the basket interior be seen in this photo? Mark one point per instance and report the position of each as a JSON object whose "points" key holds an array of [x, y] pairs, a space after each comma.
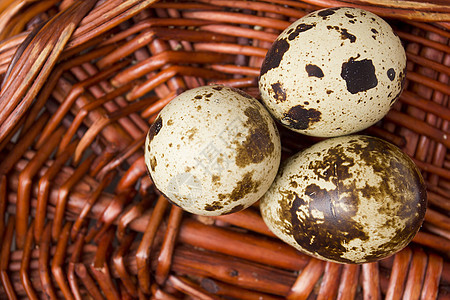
{"points": [[79, 216]]}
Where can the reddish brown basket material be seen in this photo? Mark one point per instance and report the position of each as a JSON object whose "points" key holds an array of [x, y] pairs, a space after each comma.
{"points": [[79, 217]]}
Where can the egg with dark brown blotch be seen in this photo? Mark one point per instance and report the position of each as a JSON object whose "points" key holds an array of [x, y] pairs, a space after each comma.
{"points": [[350, 199], [333, 72], [213, 150]]}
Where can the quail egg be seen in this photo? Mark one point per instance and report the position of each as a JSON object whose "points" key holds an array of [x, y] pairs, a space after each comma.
{"points": [[350, 199], [333, 72], [213, 150]]}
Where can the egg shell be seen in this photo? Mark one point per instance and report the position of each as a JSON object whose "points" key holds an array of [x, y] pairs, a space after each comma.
{"points": [[213, 150], [351, 199], [333, 72]]}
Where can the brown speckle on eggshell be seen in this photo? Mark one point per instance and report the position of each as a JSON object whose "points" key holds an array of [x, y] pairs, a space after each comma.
{"points": [[351, 199]]}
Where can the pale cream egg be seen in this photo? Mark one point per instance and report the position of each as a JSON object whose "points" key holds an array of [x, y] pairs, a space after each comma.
{"points": [[333, 72], [350, 199], [213, 150]]}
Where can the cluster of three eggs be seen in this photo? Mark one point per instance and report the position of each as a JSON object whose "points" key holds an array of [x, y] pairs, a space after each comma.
{"points": [[351, 198]]}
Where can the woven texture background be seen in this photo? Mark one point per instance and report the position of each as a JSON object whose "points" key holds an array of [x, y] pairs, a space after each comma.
{"points": [[82, 81]]}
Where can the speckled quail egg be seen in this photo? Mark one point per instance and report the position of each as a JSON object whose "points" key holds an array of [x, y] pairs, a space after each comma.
{"points": [[213, 150], [333, 72], [350, 199]]}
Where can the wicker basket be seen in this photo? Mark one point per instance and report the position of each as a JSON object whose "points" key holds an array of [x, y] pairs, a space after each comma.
{"points": [[79, 217]]}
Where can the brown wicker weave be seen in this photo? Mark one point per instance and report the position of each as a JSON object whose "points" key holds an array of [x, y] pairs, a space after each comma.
{"points": [[79, 217]]}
